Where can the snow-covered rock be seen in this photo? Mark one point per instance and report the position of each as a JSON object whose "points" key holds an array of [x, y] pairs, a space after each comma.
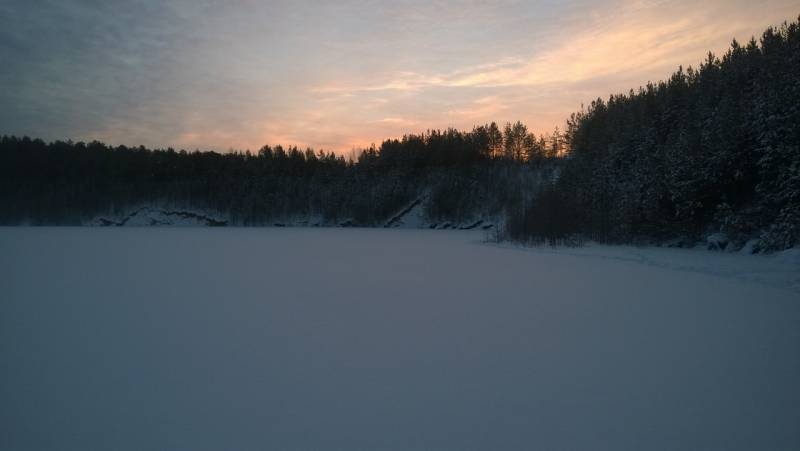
{"points": [[750, 247], [413, 217], [410, 217], [717, 242], [152, 216]]}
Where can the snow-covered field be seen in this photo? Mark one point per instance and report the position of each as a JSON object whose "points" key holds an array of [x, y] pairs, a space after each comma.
{"points": [[370, 339]]}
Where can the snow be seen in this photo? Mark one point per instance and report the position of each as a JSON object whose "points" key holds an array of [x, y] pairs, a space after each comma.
{"points": [[790, 258], [411, 217], [778, 270], [717, 241], [295, 339], [750, 247], [155, 216]]}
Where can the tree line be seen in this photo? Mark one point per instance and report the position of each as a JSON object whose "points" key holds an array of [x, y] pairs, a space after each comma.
{"points": [[709, 150], [460, 175]]}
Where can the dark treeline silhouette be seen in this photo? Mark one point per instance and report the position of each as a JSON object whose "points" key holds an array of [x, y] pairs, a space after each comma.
{"points": [[711, 150], [715, 149], [461, 176]]}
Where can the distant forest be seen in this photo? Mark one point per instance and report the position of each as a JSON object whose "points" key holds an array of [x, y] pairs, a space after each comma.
{"points": [[709, 150], [460, 176]]}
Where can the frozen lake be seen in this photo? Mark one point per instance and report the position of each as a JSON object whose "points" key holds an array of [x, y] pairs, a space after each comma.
{"points": [[307, 339]]}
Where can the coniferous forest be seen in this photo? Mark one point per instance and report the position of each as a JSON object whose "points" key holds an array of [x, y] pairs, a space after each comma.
{"points": [[712, 149]]}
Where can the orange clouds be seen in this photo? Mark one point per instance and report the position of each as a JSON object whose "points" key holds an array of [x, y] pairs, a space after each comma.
{"points": [[388, 83], [608, 52]]}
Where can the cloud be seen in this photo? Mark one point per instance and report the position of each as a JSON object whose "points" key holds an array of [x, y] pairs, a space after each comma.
{"points": [[396, 121], [633, 42], [480, 110], [239, 74]]}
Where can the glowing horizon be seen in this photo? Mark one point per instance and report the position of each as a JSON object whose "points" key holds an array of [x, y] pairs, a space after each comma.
{"points": [[200, 74]]}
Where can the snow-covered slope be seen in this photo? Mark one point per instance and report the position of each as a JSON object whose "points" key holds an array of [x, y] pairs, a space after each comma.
{"points": [[154, 216], [413, 217], [410, 217], [303, 338]]}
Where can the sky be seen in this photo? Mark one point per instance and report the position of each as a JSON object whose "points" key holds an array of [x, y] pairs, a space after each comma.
{"points": [[337, 75]]}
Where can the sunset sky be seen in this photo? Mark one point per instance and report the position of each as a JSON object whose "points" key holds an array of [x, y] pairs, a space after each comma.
{"points": [[336, 75]]}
